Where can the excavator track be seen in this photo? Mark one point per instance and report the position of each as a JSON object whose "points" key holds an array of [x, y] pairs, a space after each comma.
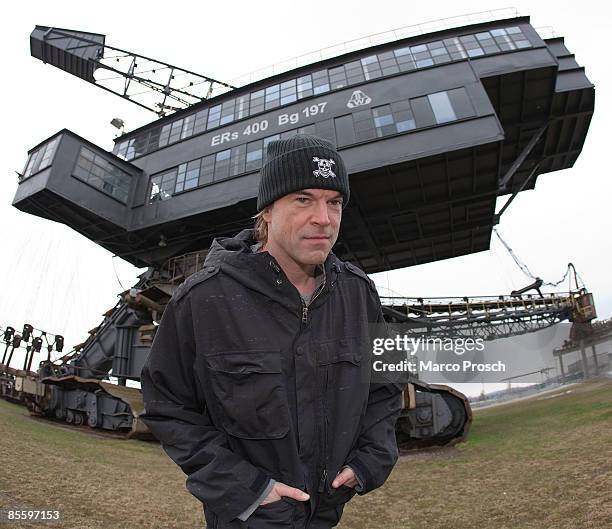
{"points": [[98, 404], [433, 415]]}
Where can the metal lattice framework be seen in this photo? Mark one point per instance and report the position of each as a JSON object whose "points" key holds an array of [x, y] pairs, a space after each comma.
{"points": [[488, 318], [151, 84]]}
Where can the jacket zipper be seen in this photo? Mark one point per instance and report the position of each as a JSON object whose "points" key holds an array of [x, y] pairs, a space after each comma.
{"points": [[323, 481], [323, 485], [305, 307]]}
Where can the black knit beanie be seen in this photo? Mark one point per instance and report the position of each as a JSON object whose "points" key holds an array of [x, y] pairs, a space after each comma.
{"points": [[300, 162]]}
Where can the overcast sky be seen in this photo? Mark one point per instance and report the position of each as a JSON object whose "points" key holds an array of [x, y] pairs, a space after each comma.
{"points": [[59, 281]]}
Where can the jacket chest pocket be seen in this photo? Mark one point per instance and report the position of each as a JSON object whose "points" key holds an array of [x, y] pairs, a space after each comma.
{"points": [[343, 364], [250, 393], [342, 352]]}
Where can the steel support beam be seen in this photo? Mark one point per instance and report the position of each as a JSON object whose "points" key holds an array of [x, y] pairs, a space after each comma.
{"points": [[521, 157]]}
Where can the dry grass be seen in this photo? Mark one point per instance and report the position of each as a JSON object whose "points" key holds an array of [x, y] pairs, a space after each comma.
{"points": [[541, 463]]}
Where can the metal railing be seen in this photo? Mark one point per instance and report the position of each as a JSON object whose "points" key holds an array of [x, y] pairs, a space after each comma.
{"points": [[181, 267], [374, 39]]}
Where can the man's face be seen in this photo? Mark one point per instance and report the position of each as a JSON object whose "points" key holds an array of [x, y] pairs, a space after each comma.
{"points": [[303, 226]]}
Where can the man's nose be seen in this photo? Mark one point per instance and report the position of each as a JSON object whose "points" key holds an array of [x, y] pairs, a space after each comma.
{"points": [[321, 214]]}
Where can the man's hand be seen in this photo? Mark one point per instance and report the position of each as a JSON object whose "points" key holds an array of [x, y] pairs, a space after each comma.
{"points": [[346, 477], [280, 489]]}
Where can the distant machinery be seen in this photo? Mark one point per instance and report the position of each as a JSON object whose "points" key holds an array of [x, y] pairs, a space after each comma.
{"points": [[586, 336], [72, 388]]}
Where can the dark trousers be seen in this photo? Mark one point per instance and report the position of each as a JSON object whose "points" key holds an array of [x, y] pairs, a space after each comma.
{"points": [[287, 513]]}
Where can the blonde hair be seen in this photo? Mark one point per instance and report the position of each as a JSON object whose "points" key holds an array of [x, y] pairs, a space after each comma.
{"points": [[261, 226]]}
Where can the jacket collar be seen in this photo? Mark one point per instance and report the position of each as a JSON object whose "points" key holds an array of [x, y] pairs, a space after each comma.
{"points": [[261, 272]]}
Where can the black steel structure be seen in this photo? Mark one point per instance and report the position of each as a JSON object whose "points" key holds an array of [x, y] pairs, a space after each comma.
{"points": [[433, 129], [154, 85]]}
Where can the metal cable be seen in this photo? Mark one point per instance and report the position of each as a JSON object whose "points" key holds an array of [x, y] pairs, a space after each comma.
{"points": [[525, 269]]}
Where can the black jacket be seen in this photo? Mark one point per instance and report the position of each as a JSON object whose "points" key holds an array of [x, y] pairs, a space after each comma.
{"points": [[245, 383]]}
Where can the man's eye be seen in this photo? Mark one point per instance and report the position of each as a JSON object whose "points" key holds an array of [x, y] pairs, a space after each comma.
{"points": [[303, 200], [336, 202]]}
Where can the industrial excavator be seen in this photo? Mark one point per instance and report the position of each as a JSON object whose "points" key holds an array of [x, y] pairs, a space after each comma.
{"points": [[73, 388], [429, 146]]}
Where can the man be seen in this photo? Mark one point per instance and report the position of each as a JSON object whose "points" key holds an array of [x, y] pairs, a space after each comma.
{"points": [[258, 382]]}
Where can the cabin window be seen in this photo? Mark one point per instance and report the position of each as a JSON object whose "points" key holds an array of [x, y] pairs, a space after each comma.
{"points": [[237, 161], [272, 96], [461, 103], [364, 125], [405, 60], [438, 52], [265, 144], [200, 121], [242, 107], [345, 133], [222, 164], [188, 125], [257, 102], [207, 169], [162, 186], [41, 158], [402, 116], [253, 155], [388, 63], [153, 143], [214, 116], [227, 112], [337, 77], [423, 113], [383, 120], [165, 134], [441, 106], [371, 67], [98, 172], [455, 49], [288, 92], [304, 86], [354, 73], [320, 82]]}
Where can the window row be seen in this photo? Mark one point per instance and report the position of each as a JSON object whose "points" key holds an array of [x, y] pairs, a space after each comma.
{"points": [[360, 70], [40, 158], [402, 116], [384, 120], [219, 166], [98, 172]]}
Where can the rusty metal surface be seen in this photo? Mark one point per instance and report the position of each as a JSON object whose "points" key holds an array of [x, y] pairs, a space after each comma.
{"points": [[464, 411], [181, 267], [584, 310], [17, 372], [131, 396]]}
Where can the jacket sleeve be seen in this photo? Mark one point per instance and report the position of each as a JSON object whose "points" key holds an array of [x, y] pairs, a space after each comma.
{"points": [[375, 452], [176, 413]]}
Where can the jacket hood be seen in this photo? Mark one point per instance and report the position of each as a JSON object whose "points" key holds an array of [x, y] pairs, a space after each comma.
{"points": [[227, 249]]}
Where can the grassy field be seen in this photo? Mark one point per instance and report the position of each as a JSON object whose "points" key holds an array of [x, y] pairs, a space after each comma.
{"points": [[541, 463]]}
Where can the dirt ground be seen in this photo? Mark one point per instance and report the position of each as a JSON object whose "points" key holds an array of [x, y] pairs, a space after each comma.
{"points": [[541, 463]]}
